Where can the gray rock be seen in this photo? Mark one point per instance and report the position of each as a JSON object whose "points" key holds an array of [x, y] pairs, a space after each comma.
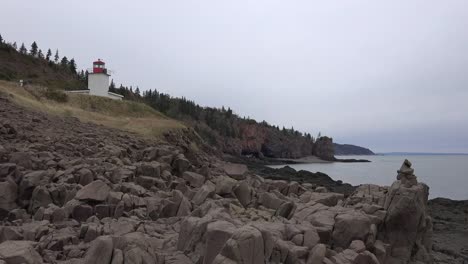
{"points": [[224, 185], [205, 191], [217, 233], [8, 195], [236, 171], [100, 251], [245, 246], [317, 254], [343, 235], [95, 191], [19, 252], [243, 193], [195, 180]]}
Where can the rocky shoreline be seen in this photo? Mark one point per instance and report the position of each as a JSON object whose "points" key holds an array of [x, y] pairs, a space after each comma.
{"points": [[74, 192]]}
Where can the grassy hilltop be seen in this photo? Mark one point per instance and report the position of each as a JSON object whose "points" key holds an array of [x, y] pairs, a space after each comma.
{"points": [[126, 115]]}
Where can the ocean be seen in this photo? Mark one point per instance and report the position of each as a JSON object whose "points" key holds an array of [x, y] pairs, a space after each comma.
{"points": [[446, 175]]}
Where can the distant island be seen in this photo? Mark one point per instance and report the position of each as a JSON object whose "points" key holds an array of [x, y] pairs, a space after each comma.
{"points": [[417, 153], [348, 149]]}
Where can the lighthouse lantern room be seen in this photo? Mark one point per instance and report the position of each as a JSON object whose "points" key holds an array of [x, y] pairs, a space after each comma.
{"points": [[99, 67]]}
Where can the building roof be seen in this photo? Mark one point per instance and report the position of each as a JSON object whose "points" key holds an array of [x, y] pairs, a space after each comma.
{"points": [[99, 62]]}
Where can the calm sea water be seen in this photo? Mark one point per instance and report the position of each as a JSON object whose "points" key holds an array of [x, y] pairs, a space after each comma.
{"points": [[446, 175]]}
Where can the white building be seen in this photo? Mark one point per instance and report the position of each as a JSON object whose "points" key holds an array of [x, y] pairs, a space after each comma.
{"points": [[98, 82]]}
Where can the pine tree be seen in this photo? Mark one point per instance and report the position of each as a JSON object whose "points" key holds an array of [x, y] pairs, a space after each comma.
{"points": [[56, 58], [23, 49], [64, 61], [49, 53], [72, 65], [1, 39], [14, 45], [40, 55], [137, 91], [112, 87], [34, 48]]}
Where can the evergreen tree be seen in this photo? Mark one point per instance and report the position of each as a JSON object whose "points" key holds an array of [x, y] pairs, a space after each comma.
{"points": [[72, 65], [40, 55], [64, 61], [56, 58], [34, 48], [49, 53], [112, 88], [137, 91], [14, 45], [1, 39], [23, 49]]}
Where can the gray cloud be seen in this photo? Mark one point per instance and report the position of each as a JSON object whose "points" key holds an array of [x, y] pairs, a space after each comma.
{"points": [[390, 76]]}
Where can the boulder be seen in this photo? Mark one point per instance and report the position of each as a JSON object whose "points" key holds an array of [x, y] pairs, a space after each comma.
{"points": [[85, 176], [217, 233], [317, 254], [22, 159], [150, 169], [100, 251], [243, 192], [224, 185], [194, 179], [8, 195], [95, 191], [180, 164], [245, 246], [357, 246], [236, 171], [19, 252], [343, 234], [206, 190]]}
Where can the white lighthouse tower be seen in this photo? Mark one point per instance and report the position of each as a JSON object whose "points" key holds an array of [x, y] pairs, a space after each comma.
{"points": [[98, 81]]}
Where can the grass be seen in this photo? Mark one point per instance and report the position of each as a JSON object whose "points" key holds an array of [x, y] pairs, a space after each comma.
{"points": [[125, 115]]}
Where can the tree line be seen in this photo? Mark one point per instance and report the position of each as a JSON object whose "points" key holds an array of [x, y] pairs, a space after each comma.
{"points": [[222, 120], [53, 60]]}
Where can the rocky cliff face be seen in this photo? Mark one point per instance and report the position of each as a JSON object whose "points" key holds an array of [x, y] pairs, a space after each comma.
{"points": [[260, 141], [79, 193]]}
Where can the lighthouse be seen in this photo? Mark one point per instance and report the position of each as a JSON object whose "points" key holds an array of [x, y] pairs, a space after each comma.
{"points": [[98, 81]]}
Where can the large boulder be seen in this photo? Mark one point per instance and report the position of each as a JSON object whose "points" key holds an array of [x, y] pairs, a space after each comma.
{"points": [[350, 226], [234, 170], [100, 251], [244, 193], [194, 179], [8, 195], [245, 246], [95, 191], [19, 252], [217, 233]]}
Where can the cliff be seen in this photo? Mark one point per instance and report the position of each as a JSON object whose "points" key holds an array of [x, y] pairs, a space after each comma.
{"points": [[260, 141]]}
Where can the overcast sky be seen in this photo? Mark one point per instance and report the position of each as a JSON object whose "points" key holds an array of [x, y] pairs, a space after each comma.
{"points": [[388, 75]]}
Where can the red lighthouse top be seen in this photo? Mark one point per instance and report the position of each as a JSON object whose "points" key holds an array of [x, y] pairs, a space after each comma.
{"points": [[99, 67]]}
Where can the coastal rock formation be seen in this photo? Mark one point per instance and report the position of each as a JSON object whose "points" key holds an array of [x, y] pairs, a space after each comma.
{"points": [[264, 141], [80, 193]]}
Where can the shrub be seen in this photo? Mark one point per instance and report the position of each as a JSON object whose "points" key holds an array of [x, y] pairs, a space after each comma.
{"points": [[56, 95]]}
